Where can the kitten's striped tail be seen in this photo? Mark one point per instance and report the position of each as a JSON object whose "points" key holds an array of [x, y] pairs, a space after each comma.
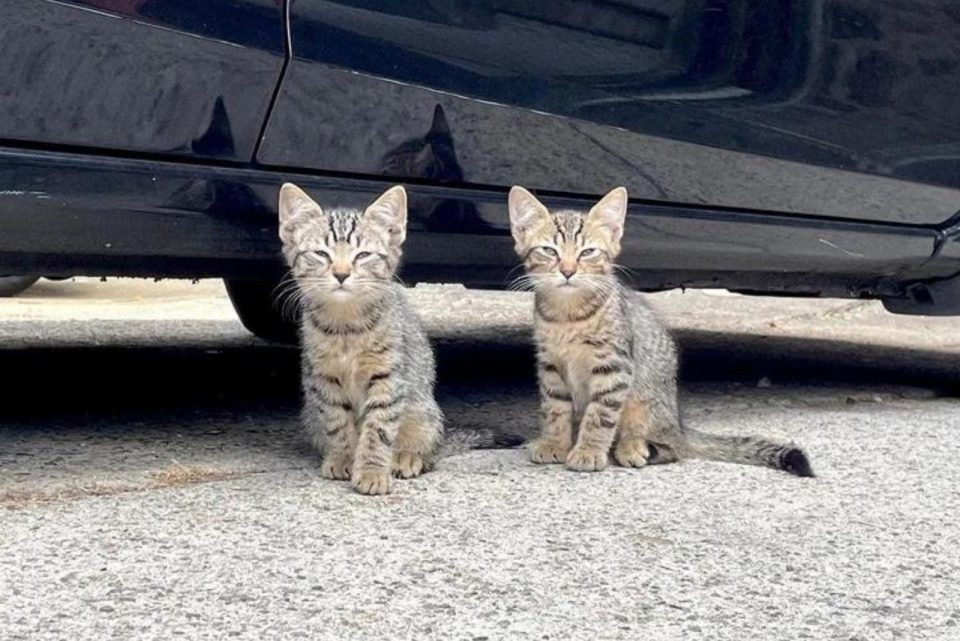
{"points": [[463, 440], [747, 450]]}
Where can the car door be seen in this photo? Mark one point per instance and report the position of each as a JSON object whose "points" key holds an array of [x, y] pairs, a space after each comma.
{"points": [[832, 108], [168, 77]]}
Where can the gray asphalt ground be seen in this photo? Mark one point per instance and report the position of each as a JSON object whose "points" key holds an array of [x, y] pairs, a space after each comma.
{"points": [[153, 485]]}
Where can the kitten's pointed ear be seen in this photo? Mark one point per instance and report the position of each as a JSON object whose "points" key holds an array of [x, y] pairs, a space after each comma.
{"points": [[390, 211], [439, 124], [295, 208], [610, 213], [526, 212]]}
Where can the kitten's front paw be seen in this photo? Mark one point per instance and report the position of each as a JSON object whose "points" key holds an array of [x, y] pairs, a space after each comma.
{"points": [[583, 459], [631, 453], [545, 451], [372, 482], [336, 467], [407, 465]]}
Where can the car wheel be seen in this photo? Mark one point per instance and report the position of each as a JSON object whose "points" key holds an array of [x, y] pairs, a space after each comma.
{"points": [[260, 309], [13, 285]]}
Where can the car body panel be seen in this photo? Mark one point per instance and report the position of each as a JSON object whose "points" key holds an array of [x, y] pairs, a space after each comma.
{"points": [[809, 107], [172, 219], [150, 137], [170, 77]]}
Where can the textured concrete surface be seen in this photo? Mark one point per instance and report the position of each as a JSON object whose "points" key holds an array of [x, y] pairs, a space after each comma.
{"points": [[152, 485]]}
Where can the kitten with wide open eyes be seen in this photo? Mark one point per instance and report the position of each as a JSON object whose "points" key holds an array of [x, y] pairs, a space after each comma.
{"points": [[367, 367], [607, 367]]}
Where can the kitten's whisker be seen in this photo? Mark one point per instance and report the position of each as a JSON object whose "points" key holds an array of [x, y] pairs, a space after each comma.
{"points": [[523, 283], [626, 271], [509, 274], [288, 296], [601, 286]]}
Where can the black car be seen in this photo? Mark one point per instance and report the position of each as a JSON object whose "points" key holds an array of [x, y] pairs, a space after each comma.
{"points": [[805, 147]]}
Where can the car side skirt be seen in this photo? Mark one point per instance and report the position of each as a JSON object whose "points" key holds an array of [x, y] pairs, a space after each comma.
{"points": [[76, 214]]}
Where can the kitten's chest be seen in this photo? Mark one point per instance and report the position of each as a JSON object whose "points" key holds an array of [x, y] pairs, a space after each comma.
{"points": [[576, 372], [344, 359], [566, 348]]}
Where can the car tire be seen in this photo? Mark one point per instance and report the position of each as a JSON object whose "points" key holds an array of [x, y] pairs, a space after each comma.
{"points": [[13, 285], [256, 303]]}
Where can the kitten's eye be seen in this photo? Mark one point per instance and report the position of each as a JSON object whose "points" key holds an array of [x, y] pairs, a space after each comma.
{"points": [[362, 255], [314, 256], [589, 251], [549, 251]]}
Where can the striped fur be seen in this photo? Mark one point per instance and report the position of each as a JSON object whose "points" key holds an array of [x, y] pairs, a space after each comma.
{"points": [[607, 366], [368, 369]]}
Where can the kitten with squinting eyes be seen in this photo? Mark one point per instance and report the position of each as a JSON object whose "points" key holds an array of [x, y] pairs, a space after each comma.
{"points": [[367, 367], [607, 367]]}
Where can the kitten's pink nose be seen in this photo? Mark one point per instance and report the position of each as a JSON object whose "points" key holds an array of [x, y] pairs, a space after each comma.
{"points": [[341, 276], [568, 272]]}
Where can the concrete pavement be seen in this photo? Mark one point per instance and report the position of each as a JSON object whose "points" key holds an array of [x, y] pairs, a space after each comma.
{"points": [[160, 490]]}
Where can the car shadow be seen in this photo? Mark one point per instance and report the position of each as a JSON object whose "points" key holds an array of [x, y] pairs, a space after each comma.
{"points": [[129, 417], [178, 383]]}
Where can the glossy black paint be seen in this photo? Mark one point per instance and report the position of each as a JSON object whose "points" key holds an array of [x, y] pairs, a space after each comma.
{"points": [[821, 107], [171, 77], [800, 146], [171, 219]]}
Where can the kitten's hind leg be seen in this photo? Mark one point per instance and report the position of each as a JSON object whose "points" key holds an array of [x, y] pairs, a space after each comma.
{"points": [[417, 441], [632, 448], [663, 429], [660, 454]]}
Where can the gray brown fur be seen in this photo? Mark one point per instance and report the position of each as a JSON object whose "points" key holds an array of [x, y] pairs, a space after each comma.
{"points": [[368, 369], [607, 366]]}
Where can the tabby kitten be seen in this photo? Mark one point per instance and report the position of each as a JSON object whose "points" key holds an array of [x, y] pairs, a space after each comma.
{"points": [[368, 370], [607, 367]]}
